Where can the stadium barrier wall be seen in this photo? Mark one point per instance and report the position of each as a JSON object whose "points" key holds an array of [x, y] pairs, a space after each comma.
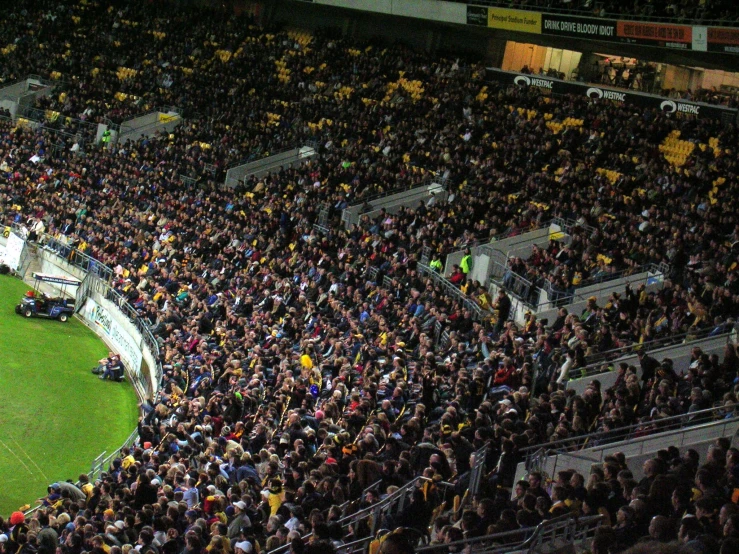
{"points": [[108, 322], [394, 203], [602, 292], [551, 85], [148, 124], [23, 94], [99, 310], [637, 450], [678, 353], [112, 325], [481, 255], [668, 33], [284, 159]]}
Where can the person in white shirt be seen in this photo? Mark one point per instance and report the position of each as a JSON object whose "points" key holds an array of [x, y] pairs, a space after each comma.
{"points": [[564, 370]]}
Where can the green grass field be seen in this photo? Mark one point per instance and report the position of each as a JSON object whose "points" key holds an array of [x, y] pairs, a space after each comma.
{"points": [[55, 416]]}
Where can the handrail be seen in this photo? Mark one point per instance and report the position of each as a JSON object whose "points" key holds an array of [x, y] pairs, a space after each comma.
{"points": [[155, 109], [91, 265], [624, 433], [450, 289], [530, 294], [249, 160], [96, 468], [410, 186], [596, 367], [389, 500], [571, 224], [532, 534], [593, 14], [39, 115]]}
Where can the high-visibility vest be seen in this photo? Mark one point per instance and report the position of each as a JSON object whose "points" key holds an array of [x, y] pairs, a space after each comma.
{"points": [[466, 264]]}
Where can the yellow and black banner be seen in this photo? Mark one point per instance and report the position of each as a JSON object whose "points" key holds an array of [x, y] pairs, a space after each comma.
{"points": [[514, 20]]}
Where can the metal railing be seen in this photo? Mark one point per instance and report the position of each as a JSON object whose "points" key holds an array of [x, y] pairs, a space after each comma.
{"points": [[490, 241], [390, 505], [451, 290], [531, 294], [363, 200], [75, 257], [104, 275], [567, 528], [595, 362], [634, 431], [255, 156], [61, 122], [100, 463], [570, 225], [477, 470], [591, 13]]}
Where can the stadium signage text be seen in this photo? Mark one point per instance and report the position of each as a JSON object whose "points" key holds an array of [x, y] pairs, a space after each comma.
{"points": [[122, 341], [722, 39], [477, 15], [670, 106], [594, 92], [503, 18], [572, 26], [526, 81], [672, 36], [665, 35], [514, 20], [631, 98]]}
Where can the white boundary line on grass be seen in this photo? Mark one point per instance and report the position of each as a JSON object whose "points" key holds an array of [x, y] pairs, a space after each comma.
{"points": [[16, 456], [41, 471]]}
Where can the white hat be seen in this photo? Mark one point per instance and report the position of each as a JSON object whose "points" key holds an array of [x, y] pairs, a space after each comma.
{"points": [[120, 525], [244, 545], [3, 538], [241, 505]]}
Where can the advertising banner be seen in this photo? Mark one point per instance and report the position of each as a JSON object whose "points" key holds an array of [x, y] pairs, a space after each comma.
{"points": [[580, 27], [13, 251], [655, 34], [723, 39], [122, 342], [514, 20], [700, 38], [549, 85], [477, 15]]}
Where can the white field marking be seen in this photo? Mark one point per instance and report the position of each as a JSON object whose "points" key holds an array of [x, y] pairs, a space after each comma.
{"points": [[16, 456], [41, 471]]}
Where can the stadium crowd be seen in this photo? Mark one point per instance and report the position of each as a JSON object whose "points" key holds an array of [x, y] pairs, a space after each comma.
{"points": [[295, 376]]}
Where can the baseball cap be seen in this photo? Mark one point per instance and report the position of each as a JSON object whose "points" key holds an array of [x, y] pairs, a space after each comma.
{"points": [[119, 524], [241, 505], [244, 545], [3, 538]]}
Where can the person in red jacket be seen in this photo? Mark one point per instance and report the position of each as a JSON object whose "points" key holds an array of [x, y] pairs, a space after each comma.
{"points": [[506, 375]]}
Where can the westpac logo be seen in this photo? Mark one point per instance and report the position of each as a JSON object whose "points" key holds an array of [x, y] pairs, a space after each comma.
{"points": [[595, 92], [526, 81], [669, 106], [102, 318]]}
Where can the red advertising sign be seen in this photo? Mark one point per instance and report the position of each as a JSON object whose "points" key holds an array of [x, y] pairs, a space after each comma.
{"points": [[676, 36], [723, 39]]}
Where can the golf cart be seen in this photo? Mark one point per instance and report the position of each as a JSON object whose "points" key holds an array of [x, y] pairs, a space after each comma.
{"points": [[39, 304]]}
